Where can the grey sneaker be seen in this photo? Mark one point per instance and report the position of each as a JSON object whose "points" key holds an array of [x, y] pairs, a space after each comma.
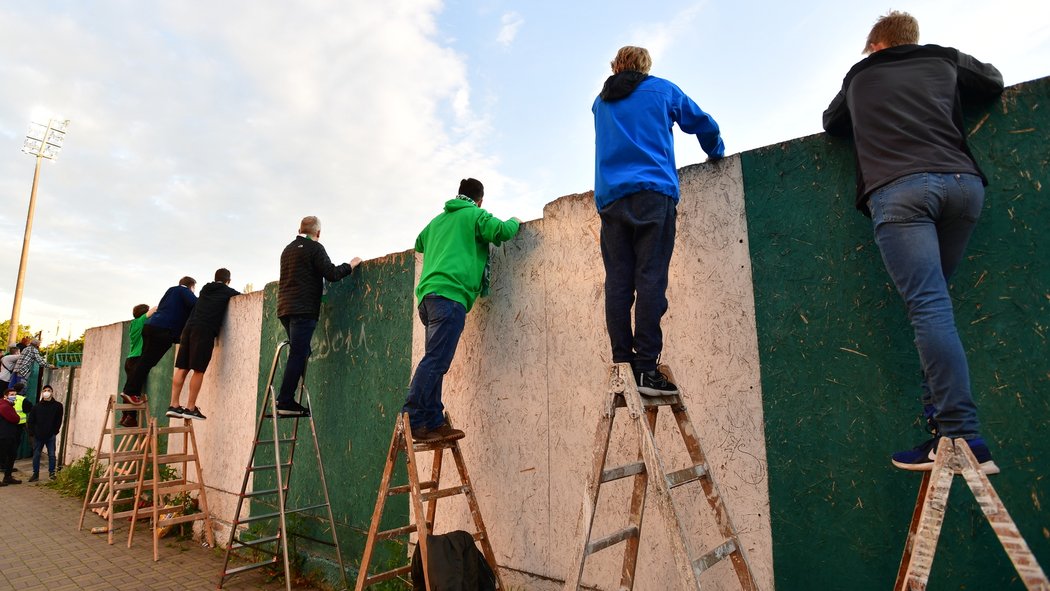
{"points": [[194, 414], [175, 412]]}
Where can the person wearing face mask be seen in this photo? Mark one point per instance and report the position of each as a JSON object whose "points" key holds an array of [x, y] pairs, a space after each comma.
{"points": [[8, 436], [45, 420]]}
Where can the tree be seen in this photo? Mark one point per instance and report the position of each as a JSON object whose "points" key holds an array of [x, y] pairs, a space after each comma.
{"points": [[23, 331], [64, 346]]}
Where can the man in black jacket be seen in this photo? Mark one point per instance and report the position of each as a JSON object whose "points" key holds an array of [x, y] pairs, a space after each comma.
{"points": [[305, 267], [44, 422], [197, 342], [920, 184]]}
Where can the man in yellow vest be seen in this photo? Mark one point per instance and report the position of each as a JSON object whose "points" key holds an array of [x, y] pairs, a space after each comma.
{"points": [[22, 408]]}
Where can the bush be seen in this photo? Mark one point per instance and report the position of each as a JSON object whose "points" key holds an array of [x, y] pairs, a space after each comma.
{"points": [[73, 480]]}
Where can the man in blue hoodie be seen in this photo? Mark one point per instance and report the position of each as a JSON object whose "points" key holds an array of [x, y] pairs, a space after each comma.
{"points": [[636, 191]]}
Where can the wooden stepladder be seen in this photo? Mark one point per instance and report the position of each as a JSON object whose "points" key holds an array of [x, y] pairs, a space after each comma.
{"points": [[421, 492], [623, 392], [123, 465], [276, 453], [162, 491], [955, 457]]}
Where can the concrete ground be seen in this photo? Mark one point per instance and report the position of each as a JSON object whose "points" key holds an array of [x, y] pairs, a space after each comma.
{"points": [[43, 551]]}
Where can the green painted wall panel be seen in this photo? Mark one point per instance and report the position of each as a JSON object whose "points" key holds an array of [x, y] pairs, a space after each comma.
{"points": [[840, 373], [357, 378]]}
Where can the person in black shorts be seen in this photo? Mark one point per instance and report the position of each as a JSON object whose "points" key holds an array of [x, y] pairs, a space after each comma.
{"points": [[197, 342]]}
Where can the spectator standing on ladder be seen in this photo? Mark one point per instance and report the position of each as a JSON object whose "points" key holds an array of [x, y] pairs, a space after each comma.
{"points": [[919, 183], [305, 267], [197, 343], [161, 331], [455, 247], [636, 192]]}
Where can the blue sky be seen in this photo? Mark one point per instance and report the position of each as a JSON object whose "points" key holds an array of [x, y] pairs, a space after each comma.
{"points": [[203, 131]]}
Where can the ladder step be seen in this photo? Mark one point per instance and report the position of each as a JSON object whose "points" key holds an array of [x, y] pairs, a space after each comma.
{"points": [[686, 475], [393, 533], [267, 467], [628, 532], [121, 478], [407, 488], [715, 556], [277, 514], [622, 472], [649, 401], [247, 567], [175, 458], [147, 485], [259, 493], [445, 492], [123, 456], [270, 441], [125, 431], [170, 430], [125, 406], [99, 504], [385, 576]]}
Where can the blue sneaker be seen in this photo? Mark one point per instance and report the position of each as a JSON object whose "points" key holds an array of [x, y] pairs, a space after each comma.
{"points": [[921, 457]]}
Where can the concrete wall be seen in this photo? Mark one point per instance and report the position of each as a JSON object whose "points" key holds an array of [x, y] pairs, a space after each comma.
{"points": [[787, 338]]}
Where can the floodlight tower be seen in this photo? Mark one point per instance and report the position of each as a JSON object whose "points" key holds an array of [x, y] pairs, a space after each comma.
{"points": [[43, 140]]}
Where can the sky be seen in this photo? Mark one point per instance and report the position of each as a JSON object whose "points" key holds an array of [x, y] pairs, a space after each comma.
{"points": [[202, 132]]}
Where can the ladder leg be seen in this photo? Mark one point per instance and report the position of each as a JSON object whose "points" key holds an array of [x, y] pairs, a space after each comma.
{"points": [[601, 449], [202, 497], [152, 442], [422, 528], [94, 463], [139, 484], [111, 471], [475, 512], [998, 517], [932, 517], [282, 532], [396, 441], [711, 491], [913, 529], [679, 546], [435, 475], [324, 489], [641, 483]]}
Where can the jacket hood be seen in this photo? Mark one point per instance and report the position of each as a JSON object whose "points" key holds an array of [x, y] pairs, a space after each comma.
{"points": [[457, 203], [619, 86]]}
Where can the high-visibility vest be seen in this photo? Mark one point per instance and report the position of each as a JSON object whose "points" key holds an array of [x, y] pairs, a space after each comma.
{"points": [[18, 409]]}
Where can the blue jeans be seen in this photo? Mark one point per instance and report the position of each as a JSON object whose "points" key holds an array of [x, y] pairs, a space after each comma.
{"points": [[923, 223], [38, 444], [637, 240], [444, 320], [300, 331]]}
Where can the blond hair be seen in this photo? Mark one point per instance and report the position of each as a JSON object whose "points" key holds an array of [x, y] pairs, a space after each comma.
{"points": [[630, 58], [896, 28]]}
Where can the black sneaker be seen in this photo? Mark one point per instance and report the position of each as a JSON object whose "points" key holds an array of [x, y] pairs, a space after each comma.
{"points": [[292, 409], [34, 477], [175, 412], [654, 383], [51, 476], [11, 480], [194, 414]]}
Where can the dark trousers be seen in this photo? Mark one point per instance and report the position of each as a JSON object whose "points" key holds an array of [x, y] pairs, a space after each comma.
{"points": [[7, 455], [300, 331], [444, 320], [155, 343], [637, 240]]}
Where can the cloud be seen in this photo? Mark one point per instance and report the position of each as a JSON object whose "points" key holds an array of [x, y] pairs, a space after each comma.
{"points": [[195, 146], [512, 21]]}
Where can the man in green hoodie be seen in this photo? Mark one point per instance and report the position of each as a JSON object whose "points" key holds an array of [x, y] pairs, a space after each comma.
{"points": [[455, 247]]}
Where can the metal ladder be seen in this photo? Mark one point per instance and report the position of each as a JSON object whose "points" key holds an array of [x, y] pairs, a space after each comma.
{"points": [[955, 457], [164, 516], [420, 492], [623, 392], [279, 552], [124, 465]]}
